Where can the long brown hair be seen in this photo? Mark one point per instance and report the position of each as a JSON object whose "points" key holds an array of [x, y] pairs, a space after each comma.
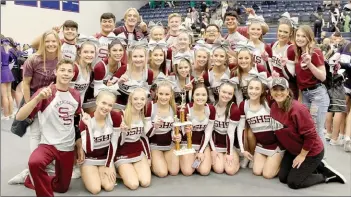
{"points": [[286, 106], [311, 44], [263, 97]]}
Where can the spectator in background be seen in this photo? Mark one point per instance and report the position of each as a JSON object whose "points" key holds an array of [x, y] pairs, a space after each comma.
{"points": [[219, 21], [188, 21], [318, 23], [224, 8], [170, 4], [194, 15], [203, 7]]}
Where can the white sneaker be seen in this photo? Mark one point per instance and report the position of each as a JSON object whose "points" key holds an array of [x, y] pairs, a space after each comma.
{"points": [[341, 138], [19, 178], [328, 136], [75, 172], [244, 162], [5, 117], [335, 142], [347, 146]]}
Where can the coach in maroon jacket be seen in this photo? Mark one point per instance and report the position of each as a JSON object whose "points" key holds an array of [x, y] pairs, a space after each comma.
{"points": [[302, 165]]}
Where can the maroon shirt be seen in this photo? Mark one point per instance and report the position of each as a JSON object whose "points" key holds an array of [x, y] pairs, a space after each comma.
{"points": [[305, 78], [299, 130], [34, 67]]}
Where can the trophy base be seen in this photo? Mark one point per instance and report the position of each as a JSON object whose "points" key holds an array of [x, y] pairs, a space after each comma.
{"points": [[184, 151]]}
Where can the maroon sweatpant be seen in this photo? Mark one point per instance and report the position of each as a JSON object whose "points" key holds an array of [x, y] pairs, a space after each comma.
{"points": [[43, 184]]}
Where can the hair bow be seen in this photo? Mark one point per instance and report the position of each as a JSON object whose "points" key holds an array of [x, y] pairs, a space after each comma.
{"points": [[293, 20], [262, 76], [164, 78], [82, 39], [152, 24], [5, 40], [255, 19], [221, 43], [112, 36], [201, 44], [186, 29], [161, 44], [133, 87], [135, 44], [243, 45], [178, 57], [233, 81]]}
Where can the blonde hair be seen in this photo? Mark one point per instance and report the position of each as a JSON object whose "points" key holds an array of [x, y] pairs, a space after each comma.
{"points": [[131, 9], [172, 100], [104, 93], [263, 29], [130, 56], [128, 116], [311, 44], [208, 57], [173, 15], [42, 48]]}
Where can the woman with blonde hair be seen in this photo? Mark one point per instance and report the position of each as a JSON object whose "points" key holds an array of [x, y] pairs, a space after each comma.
{"points": [[310, 74], [38, 72], [135, 73], [163, 111], [133, 154], [100, 135]]}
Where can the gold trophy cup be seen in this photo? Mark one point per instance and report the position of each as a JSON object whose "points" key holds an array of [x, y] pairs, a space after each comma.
{"points": [[180, 125]]}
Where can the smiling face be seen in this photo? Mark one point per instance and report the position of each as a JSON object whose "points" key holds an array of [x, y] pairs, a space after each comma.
{"points": [[231, 22], [138, 99], [279, 94], [131, 18], [255, 89], [164, 94], [107, 25], [174, 23], [201, 58], [226, 93], [87, 53], [183, 41], [301, 39], [212, 33], [51, 43], [104, 104], [116, 52], [255, 31], [244, 59], [64, 74], [157, 57], [183, 69], [200, 96], [157, 33], [219, 57], [284, 33], [70, 33], [138, 57]]}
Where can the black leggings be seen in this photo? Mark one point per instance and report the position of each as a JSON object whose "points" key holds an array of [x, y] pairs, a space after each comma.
{"points": [[304, 176]]}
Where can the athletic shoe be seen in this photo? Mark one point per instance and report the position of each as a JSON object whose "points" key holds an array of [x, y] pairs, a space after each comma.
{"points": [[19, 178], [244, 162], [335, 142], [347, 146], [5, 117], [331, 175], [75, 172], [251, 164], [341, 138], [328, 136]]}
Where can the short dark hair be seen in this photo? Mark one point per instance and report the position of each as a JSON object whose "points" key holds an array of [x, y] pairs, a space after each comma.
{"points": [[231, 13], [70, 23], [108, 15]]}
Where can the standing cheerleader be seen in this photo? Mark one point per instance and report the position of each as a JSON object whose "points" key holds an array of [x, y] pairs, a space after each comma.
{"points": [[202, 60], [224, 157], [82, 67], [182, 79], [219, 71], [133, 156], [202, 117], [135, 74], [283, 55], [6, 80], [157, 32], [310, 73], [100, 135], [157, 58], [262, 51], [162, 112], [182, 47], [105, 71], [256, 112]]}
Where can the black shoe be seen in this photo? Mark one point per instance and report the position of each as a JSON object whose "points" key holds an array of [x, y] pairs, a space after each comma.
{"points": [[331, 175]]}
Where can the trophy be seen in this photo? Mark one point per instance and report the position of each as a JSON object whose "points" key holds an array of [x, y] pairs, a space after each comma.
{"points": [[180, 125]]}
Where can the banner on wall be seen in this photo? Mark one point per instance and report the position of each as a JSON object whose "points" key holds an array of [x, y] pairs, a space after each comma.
{"points": [[55, 5], [70, 6], [27, 3]]}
